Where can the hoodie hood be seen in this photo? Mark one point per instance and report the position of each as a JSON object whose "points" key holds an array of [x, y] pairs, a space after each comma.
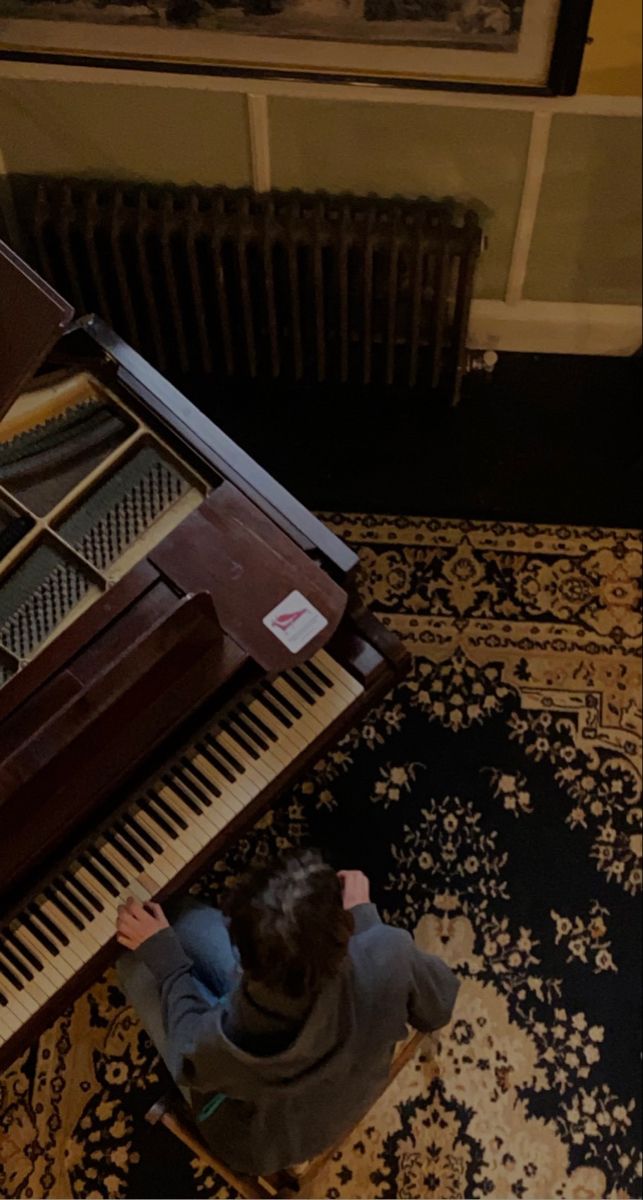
{"points": [[305, 1040]]}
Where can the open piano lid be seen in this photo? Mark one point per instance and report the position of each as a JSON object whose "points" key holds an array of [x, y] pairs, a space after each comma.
{"points": [[32, 318]]}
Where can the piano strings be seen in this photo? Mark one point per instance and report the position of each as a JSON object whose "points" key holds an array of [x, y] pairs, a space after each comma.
{"points": [[84, 488]]}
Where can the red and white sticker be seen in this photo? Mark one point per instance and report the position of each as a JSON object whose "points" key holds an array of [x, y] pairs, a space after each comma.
{"points": [[295, 621]]}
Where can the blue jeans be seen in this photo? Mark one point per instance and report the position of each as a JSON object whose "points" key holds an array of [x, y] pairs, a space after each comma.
{"points": [[203, 933]]}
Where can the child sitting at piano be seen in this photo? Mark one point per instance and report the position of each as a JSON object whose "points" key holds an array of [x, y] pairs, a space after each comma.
{"points": [[279, 1019]]}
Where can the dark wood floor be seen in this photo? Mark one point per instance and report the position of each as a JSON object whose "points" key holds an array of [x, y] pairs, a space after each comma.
{"points": [[546, 438]]}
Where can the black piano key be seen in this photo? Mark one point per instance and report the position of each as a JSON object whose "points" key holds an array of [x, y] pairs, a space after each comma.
{"points": [[194, 771], [172, 817], [273, 708], [273, 691], [237, 735], [131, 833], [16, 963], [50, 930], [124, 850], [55, 898], [207, 749], [36, 932], [13, 938], [298, 686], [232, 762], [142, 832], [109, 868], [159, 818], [196, 789], [3, 1000], [190, 780], [14, 980], [99, 875], [79, 907], [50, 925], [184, 795], [308, 679], [250, 732], [251, 717], [321, 676], [83, 891]]}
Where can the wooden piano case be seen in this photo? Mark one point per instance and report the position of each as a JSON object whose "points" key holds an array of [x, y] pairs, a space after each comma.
{"points": [[143, 555]]}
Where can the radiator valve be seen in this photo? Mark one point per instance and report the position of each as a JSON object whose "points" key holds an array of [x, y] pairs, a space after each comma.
{"points": [[482, 360]]}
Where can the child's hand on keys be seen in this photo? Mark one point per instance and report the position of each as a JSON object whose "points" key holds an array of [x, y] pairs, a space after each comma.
{"points": [[137, 922], [355, 888]]}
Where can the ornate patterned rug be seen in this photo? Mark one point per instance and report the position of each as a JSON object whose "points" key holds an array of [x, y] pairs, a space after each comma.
{"points": [[494, 801]]}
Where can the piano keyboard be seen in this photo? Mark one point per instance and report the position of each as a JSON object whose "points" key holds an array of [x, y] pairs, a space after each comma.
{"points": [[154, 837]]}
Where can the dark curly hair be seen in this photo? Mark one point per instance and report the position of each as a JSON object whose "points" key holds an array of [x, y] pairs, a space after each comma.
{"points": [[288, 923]]}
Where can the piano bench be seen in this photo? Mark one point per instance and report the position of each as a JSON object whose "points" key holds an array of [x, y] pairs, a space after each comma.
{"points": [[172, 1112]]}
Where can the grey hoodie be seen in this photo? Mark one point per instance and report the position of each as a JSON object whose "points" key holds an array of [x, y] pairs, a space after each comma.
{"points": [[296, 1079]]}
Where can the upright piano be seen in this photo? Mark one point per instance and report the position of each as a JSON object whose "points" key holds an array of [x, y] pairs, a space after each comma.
{"points": [[179, 639]]}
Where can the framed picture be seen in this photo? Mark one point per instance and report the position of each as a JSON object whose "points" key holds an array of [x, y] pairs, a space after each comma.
{"points": [[532, 46]]}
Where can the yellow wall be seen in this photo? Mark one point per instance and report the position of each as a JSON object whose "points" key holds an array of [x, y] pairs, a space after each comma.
{"points": [[612, 61], [586, 246]]}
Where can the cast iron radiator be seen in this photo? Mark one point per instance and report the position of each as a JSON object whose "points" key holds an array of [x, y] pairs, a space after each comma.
{"points": [[232, 284]]}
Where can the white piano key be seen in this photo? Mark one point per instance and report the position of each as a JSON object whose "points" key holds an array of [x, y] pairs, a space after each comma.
{"points": [[66, 950], [103, 924], [138, 836], [289, 746], [182, 851], [327, 707], [275, 757], [218, 747], [149, 869], [9, 956], [211, 819], [198, 828], [167, 859], [329, 687], [308, 727], [336, 672], [198, 792], [102, 871], [345, 688], [50, 973], [253, 772], [132, 885], [23, 991], [292, 732], [189, 837], [246, 736], [314, 665], [81, 873], [20, 999], [235, 794], [10, 1021], [308, 716]]}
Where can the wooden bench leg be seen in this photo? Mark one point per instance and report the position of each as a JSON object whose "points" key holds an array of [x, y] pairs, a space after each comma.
{"points": [[248, 1186]]}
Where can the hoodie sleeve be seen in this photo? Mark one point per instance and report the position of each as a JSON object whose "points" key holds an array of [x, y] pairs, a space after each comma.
{"points": [[192, 1023], [433, 992], [364, 917]]}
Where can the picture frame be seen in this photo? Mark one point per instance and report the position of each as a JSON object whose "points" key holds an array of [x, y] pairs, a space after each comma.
{"points": [[532, 47]]}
